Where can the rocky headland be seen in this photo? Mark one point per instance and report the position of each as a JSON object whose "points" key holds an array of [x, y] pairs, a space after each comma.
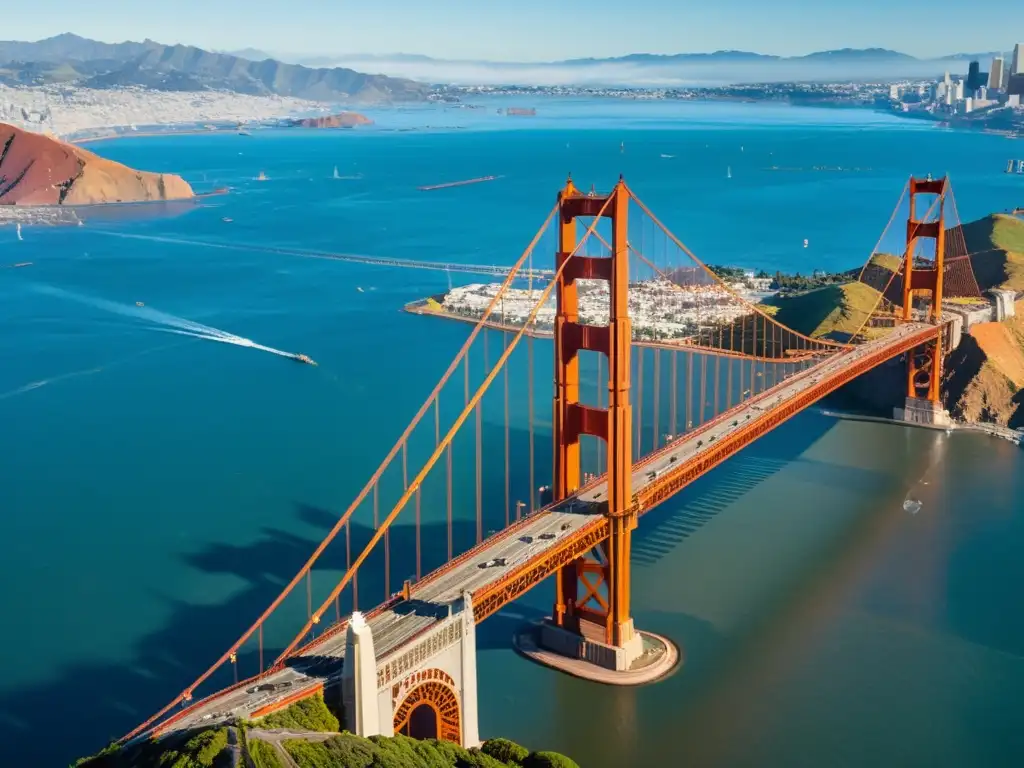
{"points": [[37, 169]]}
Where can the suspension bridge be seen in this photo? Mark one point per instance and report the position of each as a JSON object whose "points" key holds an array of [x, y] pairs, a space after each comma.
{"points": [[661, 372]]}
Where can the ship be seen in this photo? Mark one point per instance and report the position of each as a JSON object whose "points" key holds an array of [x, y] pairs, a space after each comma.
{"points": [[304, 359]]}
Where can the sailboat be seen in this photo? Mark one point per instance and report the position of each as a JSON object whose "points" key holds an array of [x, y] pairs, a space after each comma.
{"points": [[728, 172]]}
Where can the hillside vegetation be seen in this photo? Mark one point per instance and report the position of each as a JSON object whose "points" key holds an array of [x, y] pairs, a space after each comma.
{"points": [[996, 245], [254, 744], [835, 312]]}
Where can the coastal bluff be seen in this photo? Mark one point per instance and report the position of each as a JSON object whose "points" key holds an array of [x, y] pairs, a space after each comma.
{"points": [[38, 169], [340, 120]]}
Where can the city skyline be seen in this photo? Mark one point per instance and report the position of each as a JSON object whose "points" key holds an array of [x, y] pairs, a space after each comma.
{"points": [[529, 31]]}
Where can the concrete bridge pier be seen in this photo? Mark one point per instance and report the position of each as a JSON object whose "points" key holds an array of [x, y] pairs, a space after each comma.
{"points": [[921, 410], [426, 688]]}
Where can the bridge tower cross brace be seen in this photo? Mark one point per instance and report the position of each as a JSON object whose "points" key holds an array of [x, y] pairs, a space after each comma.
{"points": [[572, 419], [924, 365]]}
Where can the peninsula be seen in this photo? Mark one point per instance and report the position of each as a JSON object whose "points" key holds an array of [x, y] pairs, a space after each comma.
{"points": [[40, 170], [986, 371]]}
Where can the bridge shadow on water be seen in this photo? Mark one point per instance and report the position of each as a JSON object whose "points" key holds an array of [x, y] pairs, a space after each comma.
{"points": [[663, 528], [87, 703], [82, 706]]}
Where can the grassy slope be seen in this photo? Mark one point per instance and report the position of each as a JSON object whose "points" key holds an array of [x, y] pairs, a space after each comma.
{"points": [[834, 312], [996, 245]]}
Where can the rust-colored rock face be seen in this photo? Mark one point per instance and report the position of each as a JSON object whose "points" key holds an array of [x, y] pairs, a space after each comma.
{"points": [[41, 170], [340, 120]]}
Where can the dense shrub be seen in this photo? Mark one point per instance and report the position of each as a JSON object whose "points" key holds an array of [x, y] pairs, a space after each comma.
{"points": [[548, 760], [263, 755], [208, 749], [477, 759], [504, 750], [309, 714], [188, 750]]}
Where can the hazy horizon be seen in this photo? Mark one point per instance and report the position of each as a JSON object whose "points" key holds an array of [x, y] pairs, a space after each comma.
{"points": [[612, 74], [529, 31]]}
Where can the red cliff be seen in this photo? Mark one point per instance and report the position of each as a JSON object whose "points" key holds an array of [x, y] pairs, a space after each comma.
{"points": [[37, 169], [340, 120]]}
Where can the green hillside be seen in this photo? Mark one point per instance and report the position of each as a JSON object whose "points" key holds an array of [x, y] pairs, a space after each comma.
{"points": [[996, 245], [312, 741], [834, 312]]}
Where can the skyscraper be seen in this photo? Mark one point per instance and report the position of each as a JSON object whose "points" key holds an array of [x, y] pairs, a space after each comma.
{"points": [[974, 79], [995, 73], [1017, 67]]}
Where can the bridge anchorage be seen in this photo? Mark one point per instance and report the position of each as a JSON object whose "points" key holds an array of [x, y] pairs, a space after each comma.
{"points": [[663, 369]]}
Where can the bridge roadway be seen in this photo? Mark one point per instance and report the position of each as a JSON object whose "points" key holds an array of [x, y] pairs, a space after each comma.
{"points": [[476, 571]]}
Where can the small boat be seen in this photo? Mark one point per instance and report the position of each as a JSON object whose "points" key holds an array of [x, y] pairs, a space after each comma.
{"points": [[139, 304], [22, 264], [805, 242], [728, 172], [336, 173], [261, 177], [304, 359], [18, 230], [226, 219]]}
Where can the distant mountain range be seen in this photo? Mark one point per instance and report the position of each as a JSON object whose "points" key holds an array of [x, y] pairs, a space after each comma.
{"points": [[69, 58], [651, 69], [841, 55]]}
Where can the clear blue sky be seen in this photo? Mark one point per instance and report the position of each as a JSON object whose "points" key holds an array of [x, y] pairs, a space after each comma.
{"points": [[531, 30]]}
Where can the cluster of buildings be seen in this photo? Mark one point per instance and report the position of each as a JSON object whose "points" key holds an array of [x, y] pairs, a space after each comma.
{"points": [[659, 309], [1001, 86], [70, 111]]}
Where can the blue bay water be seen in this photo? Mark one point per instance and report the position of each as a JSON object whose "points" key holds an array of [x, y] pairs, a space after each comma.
{"points": [[156, 490]]}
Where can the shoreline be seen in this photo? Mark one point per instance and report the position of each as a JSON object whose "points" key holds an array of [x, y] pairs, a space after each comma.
{"points": [[187, 128], [171, 131], [68, 215], [420, 307]]}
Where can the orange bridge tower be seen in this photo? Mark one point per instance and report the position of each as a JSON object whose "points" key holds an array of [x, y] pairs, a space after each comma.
{"points": [[923, 277], [591, 616]]}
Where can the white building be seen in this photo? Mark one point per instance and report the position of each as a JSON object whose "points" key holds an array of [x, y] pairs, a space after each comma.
{"points": [[1017, 67], [995, 73]]}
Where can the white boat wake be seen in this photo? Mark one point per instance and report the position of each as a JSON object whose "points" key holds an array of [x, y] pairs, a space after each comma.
{"points": [[165, 322]]}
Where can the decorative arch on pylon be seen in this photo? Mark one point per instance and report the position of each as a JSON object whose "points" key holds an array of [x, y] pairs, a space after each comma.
{"points": [[429, 706]]}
